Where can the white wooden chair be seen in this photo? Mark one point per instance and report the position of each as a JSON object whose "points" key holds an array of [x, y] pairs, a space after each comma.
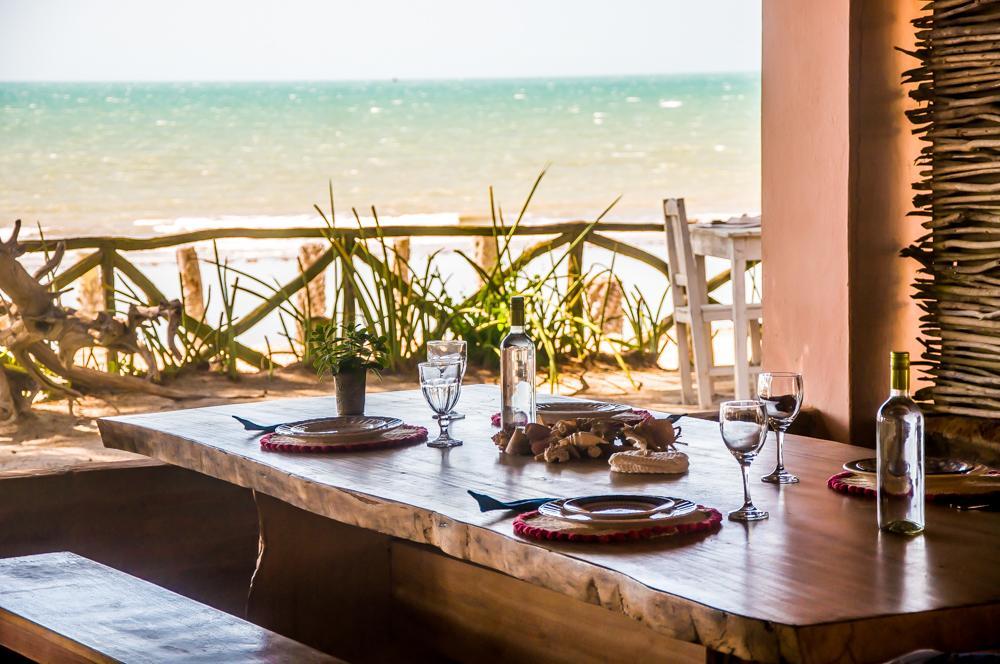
{"points": [[693, 314]]}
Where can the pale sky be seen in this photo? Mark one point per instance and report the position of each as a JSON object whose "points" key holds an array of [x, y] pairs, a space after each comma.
{"points": [[66, 40]]}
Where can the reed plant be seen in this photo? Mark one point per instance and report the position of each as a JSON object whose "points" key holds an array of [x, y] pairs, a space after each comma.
{"points": [[379, 290]]}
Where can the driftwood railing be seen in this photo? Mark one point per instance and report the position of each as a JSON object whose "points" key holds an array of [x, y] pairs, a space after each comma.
{"points": [[108, 254]]}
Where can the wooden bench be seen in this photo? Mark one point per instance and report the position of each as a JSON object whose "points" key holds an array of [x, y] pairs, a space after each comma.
{"points": [[64, 608]]}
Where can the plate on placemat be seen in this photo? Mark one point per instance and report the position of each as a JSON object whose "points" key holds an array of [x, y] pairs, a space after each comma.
{"points": [[618, 507], [932, 466], [633, 510], [553, 411], [339, 429]]}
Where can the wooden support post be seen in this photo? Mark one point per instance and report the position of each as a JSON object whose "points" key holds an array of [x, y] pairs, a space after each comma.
{"points": [[89, 293], [574, 272], [401, 258], [486, 254], [346, 267], [604, 299], [311, 300], [108, 289], [191, 284]]}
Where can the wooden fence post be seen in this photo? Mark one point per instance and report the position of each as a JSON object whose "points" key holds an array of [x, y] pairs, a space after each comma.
{"points": [[311, 300], [90, 295], [346, 266], [574, 272], [191, 285], [486, 254], [604, 297], [401, 258], [108, 288]]}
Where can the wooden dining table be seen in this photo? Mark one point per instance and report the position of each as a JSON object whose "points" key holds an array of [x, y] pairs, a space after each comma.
{"points": [[359, 550]]}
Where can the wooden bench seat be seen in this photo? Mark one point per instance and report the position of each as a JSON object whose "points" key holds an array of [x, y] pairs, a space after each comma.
{"points": [[60, 607]]}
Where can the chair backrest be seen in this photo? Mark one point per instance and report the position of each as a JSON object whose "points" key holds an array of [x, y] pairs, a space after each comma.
{"points": [[687, 279]]}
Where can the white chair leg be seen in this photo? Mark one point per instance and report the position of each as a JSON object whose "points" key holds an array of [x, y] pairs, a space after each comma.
{"points": [[684, 363], [741, 363], [702, 341]]}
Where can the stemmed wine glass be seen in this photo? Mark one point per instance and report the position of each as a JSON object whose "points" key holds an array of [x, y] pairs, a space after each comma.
{"points": [[449, 351], [441, 383], [781, 393], [744, 428]]}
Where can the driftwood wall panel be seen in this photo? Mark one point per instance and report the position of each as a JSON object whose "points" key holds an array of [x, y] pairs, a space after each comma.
{"points": [[958, 195]]}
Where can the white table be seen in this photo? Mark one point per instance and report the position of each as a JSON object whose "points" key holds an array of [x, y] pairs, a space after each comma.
{"points": [[739, 245]]}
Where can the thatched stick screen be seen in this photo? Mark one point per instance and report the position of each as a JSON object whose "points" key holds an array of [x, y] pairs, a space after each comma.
{"points": [[958, 284]]}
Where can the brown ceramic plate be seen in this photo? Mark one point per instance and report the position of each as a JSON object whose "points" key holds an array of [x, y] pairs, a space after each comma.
{"points": [[345, 428], [932, 466], [553, 411]]}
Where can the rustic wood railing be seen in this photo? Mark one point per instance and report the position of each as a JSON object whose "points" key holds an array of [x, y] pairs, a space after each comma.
{"points": [[108, 256]]}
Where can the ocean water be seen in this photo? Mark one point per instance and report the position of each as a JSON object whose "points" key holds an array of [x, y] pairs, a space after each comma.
{"points": [[152, 158], [136, 159]]}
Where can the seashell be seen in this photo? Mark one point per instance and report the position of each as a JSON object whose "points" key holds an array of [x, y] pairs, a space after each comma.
{"points": [[659, 434], [518, 443], [539, 446], [535, 431], [583, 439]]}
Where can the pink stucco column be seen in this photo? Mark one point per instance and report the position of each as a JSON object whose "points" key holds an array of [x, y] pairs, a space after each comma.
{"points": [[837, 165]]}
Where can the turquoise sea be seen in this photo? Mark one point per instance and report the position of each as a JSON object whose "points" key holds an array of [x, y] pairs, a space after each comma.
{"points": [[147, 158], [152, 158]]}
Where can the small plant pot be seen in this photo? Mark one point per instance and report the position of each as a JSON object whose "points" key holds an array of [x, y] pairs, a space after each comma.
{"points": [[350, 391]]}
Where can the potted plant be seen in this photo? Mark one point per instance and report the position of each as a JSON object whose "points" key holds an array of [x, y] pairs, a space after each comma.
{"points": [[347, 355]]}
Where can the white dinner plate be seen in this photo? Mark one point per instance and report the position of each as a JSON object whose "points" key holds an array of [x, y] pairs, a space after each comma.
{"points": [[557, 510]]}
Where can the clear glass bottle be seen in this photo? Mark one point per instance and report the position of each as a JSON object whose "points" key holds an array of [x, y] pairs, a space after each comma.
{"points": [[900, 451], [517, 372]]}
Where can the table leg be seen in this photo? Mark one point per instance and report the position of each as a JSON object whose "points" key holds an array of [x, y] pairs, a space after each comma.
{"points": [[324, 583], [741, 363]]}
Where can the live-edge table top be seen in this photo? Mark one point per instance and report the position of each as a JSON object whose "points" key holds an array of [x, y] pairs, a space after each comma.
{"points": [[819, 559]]}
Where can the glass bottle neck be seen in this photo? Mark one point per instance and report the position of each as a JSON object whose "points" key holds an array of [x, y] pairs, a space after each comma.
{"points": [[517, 329], [899, 393]]}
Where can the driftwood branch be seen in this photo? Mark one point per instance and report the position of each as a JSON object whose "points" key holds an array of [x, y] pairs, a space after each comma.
{"points": [[958, 287], [44, 337]]}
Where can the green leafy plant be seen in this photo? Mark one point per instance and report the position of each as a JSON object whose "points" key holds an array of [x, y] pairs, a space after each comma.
{"points": [[337, 351]]}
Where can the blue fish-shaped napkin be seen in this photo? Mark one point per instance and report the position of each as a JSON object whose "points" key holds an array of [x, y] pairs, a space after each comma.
{"points": [[489, 503]]}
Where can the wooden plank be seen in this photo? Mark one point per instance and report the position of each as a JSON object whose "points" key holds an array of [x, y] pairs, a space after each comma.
{"points": [[818, 562], [472, 614], [463, 230], [76, 270], [61, 607]]}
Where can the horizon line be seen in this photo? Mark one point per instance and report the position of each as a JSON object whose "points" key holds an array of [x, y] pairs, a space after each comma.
{"points": [[391, 79]]}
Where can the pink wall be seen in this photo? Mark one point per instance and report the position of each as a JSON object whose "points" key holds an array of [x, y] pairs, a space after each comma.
{"points": [[805, 176], [836, 174], [883, 317]]}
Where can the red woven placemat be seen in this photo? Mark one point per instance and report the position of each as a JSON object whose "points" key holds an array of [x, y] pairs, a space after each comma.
{"points": [[644, 414], [857, 485], [537, 526], [406, 434]]}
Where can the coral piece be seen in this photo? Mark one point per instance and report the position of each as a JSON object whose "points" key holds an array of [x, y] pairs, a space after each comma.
{"points": [[639, 461]]}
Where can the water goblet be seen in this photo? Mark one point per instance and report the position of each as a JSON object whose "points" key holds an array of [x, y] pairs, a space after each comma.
{"points": [[781, 393], [441, 384], [744, 427], [447, 351]]}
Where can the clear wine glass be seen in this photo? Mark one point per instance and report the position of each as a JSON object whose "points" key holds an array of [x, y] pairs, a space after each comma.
{"points": [[441, 383], [781, 393], [448, 351], [744, 428]]}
